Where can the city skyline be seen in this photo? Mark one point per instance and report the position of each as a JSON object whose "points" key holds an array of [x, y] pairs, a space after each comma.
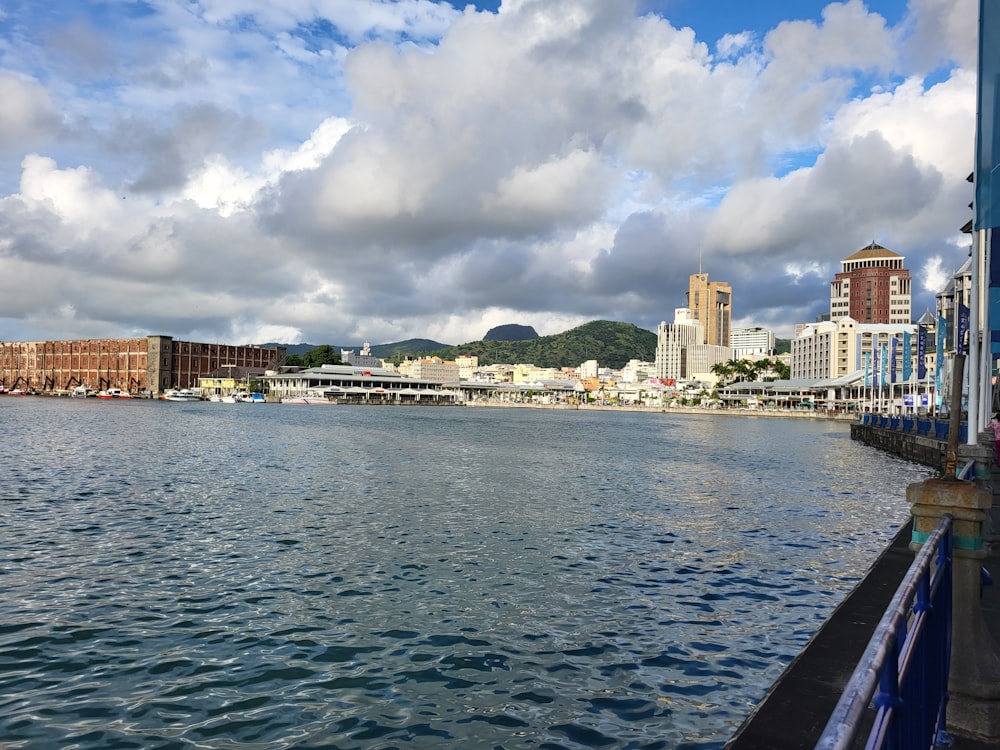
{"points": [[254, 173]]}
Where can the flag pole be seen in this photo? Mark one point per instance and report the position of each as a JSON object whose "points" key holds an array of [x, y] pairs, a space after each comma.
{"points": [[975, 310]]}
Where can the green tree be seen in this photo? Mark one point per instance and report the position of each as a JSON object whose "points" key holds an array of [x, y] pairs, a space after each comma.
{"points": [[723, 370], [321, 355]]}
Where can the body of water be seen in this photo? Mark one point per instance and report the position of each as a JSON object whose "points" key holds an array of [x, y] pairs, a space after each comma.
{"points": [[196, 575]]}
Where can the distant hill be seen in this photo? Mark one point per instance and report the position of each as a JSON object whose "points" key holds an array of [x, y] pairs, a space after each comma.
{"points": [[511, 332], [611, 344]]}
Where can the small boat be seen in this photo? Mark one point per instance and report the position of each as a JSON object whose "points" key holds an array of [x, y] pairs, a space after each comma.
{"points": [[242, 397], [114, 393], [82, 391], [310, 398], [17, 392], [181, 394]]}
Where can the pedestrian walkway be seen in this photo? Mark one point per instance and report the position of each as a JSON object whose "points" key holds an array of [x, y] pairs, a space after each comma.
{"points": [[991, 616]]}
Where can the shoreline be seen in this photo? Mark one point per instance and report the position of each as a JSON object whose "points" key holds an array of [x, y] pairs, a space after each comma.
{"points": [[767, 413]]}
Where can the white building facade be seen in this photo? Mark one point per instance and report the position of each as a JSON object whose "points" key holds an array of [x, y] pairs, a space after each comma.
{"points": [[673, 341], [751, 343], [835, 349]]}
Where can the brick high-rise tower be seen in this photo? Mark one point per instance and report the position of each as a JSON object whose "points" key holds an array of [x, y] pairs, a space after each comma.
{"points": [[873, 287]]}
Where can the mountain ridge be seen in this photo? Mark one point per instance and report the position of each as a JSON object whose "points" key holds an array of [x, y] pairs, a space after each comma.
{"points": [[611, 343]]}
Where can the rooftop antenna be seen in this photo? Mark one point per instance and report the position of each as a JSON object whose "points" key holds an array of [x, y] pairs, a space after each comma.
{"points": [[699, 261]]}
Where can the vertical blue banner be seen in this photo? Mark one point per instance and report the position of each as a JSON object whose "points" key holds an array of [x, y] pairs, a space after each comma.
{"points": [[892, 359], [868, 370], [874, 364], [907, 357], [885, 364], [963, 329], [921, 352], [987, 204]]}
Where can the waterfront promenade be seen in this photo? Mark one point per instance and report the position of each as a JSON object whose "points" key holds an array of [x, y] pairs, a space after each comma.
{"points": [[795, 711], [798, 706]]}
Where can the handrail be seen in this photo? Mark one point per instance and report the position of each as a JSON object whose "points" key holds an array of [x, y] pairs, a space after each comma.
{"points": [[907, 659]]}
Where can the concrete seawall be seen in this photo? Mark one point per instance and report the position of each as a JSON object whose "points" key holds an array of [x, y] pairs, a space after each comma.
{"points": [[920, 449]]}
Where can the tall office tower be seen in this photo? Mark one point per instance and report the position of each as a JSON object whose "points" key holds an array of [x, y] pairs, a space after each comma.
{"points": [[872, 287], [711, 304], [673, 342]]}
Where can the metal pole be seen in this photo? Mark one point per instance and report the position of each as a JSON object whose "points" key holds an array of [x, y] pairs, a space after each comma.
{"points": [[986, 360], [955, 416], [975, 309]]}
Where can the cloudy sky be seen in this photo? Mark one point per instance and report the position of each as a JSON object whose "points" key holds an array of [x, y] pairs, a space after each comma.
{"points": [[340, 171]]}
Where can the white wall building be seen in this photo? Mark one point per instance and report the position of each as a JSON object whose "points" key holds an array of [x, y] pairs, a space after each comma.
{"points": [[751, 343], [467, 366], [363, 359], [432, 369], [832, 350], [681, 351], [637, 371], [672, 342]]}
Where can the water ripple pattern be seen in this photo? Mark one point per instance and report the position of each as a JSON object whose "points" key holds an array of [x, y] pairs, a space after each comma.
{"points": [[209, 576]]}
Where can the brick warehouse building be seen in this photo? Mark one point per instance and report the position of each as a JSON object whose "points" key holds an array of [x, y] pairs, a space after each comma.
{"points": [[141, 365]]}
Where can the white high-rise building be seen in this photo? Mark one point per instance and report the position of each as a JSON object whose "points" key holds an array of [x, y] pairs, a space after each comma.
{"points": [[751, 343], [681, 351], [672, 342]]}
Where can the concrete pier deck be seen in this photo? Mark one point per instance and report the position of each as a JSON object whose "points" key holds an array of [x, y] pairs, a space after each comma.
{"points": [[795, 711]]}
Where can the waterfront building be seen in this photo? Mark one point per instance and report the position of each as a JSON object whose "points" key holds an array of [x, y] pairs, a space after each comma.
{"points": [[701, 358], [958, 291], [467, 366], [528, 373], [672, 342], [149, 365], [637, 371], [681, 351], [349, 384], [711, 304], [430, 368], [751, 343], [872, 287], [230, 379], [835, 350]]}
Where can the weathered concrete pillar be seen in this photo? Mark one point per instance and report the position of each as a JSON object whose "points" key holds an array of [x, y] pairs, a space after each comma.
{"points": [[974, 681]]}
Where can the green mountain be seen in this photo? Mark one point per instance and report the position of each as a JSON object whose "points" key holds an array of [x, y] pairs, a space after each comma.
{"points": [[611, 344], [511, 332]]}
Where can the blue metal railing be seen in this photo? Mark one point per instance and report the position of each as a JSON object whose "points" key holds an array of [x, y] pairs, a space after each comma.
{"points": [[907, 659], [936, 428]]}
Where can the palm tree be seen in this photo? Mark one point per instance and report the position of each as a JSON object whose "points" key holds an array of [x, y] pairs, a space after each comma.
{"points": [[723, 370]]}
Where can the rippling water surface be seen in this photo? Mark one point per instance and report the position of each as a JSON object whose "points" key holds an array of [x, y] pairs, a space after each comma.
{"points": [[262, 576]]}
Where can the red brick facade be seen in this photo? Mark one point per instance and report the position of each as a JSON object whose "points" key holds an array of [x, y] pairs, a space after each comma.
{"points": [[141, 365]]}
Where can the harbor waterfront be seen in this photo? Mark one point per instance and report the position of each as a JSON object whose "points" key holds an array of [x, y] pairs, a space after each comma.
{"points": [[184, 574]]}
